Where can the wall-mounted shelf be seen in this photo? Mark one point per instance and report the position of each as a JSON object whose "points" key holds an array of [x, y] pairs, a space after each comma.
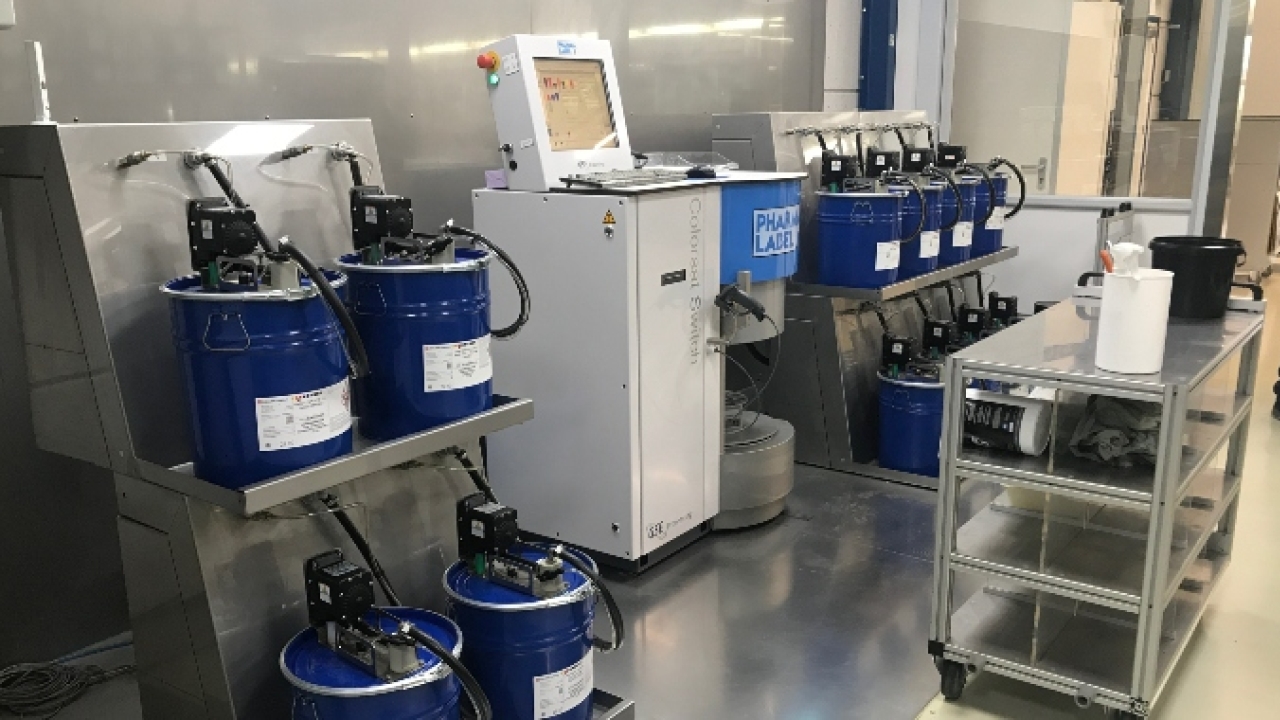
{"points": [[906, 287], [366, 457]]}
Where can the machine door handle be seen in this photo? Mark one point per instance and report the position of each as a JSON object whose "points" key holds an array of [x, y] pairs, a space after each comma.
{"points": [[1042, 172]]}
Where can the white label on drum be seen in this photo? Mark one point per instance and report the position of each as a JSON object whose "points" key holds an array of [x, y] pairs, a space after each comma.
{"points": [[294, 421], [888, 256], [997, 218], [563, 691], [963, 236], [456, 365], [930, 244]]}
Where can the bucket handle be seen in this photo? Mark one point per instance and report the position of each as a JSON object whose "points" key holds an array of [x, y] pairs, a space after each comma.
{"points": [[1251, 287], [305, 703], [359, 306], [862, 213], [208, 325]]}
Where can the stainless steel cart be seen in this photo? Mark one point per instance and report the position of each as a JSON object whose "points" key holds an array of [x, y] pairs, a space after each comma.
{"points": [[1078, 576]]}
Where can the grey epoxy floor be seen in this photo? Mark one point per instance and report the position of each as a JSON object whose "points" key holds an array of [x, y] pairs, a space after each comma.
{"points": [[819, 615]]}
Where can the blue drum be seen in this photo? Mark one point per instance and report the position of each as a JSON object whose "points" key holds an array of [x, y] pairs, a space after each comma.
{"points": [[327, 687], [957, 243], [988, 237], [921, 257], [426, 330], [911, 424], [265, 375], [532, 657], [858, 236]]}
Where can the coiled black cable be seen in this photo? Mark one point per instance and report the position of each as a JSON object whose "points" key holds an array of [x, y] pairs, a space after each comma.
{"points": [[933, 172], [894, 177], [45, 689], [995, 163], [991, 189], [359, 356], [475, 693], [362, 546], [526, 303]]}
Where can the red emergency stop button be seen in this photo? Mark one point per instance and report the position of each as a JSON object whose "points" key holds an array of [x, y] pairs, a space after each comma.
{"points": [[487, 61]]}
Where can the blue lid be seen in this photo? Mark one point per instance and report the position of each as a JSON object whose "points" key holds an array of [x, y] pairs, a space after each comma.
{"points": [[465, 586], [312, 667]]}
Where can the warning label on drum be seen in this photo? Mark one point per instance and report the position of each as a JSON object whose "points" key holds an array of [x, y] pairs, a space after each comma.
{"points": [[930, 244], [456, 365], [888, 256], [563, 691], [294, 421], [997, 218], [963, 236]]}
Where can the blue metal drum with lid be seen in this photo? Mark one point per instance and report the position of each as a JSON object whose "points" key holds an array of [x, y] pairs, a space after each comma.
{"points": [[921, 257], [988, 237], [265, 375], [957, 243], [911, 424], [426, 330], [858, 236], [533, 657], [326, 687]]}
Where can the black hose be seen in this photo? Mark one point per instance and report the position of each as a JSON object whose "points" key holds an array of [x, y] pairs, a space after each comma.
{"points": [[884, 321], [822, 141], [933, 172], [210, 163], [902, 141], [476, 476], [357, 177], [951, 301], [1022, 183], [924, 310], [359, 356], [862, 159], [362, 546], [526, 303], [759, 356], [475, 693], [991, 190], [896, 178], [615, 613]]}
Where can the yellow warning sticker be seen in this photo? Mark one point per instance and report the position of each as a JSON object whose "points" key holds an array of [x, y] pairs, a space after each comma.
{"points": [[608, 218]]}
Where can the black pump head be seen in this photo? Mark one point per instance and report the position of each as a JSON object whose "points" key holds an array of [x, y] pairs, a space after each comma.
{"points": [[376, 215]]}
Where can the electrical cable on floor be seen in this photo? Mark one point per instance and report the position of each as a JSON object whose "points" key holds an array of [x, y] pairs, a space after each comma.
{"points": [[44, 689]]}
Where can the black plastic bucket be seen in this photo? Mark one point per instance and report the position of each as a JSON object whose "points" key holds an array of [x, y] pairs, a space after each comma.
{"points": [[1204, 271]]}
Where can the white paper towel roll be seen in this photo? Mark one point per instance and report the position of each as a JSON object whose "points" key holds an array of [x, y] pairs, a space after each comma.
{"points": [[1134, 321]]}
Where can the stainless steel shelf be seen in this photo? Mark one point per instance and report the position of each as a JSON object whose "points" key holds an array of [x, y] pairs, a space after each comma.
{"points": [[366, 457], [906, 287], [607, 706]]}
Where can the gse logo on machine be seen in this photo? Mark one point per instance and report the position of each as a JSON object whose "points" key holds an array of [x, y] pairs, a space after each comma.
{"points": [[777, 230]]}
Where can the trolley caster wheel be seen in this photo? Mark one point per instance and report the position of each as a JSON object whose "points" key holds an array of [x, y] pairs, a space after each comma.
{"points": [[954, 677]]}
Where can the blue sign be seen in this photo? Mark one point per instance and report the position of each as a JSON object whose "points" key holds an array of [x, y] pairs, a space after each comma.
{"points": [[776, 231], [564, 47]]}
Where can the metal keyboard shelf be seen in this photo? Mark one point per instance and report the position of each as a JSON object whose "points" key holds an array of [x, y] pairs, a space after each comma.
{"points": [[1081, 577], [906, 287]]}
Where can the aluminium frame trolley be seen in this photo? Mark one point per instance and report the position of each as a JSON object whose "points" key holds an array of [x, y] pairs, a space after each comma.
{"points": [[1078, 576]]}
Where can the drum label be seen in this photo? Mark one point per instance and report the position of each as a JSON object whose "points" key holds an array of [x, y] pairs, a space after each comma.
{"points": [[930, 244], [452, 366], [888, 256], [293, 421], [560, 692], [963, 236], [997, 218]]}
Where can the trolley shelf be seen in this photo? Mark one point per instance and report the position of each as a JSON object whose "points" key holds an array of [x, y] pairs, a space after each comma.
{"points": [[1103, 552], [906, 287], [1078, 576], [366, 457], [1204, 437]]}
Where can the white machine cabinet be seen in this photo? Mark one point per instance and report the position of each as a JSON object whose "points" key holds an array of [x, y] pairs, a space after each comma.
{"points": [[624, 458], [1085, 578]]}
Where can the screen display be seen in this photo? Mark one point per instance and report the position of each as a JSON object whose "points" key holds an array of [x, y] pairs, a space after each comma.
{"points": [[576, 104]]}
